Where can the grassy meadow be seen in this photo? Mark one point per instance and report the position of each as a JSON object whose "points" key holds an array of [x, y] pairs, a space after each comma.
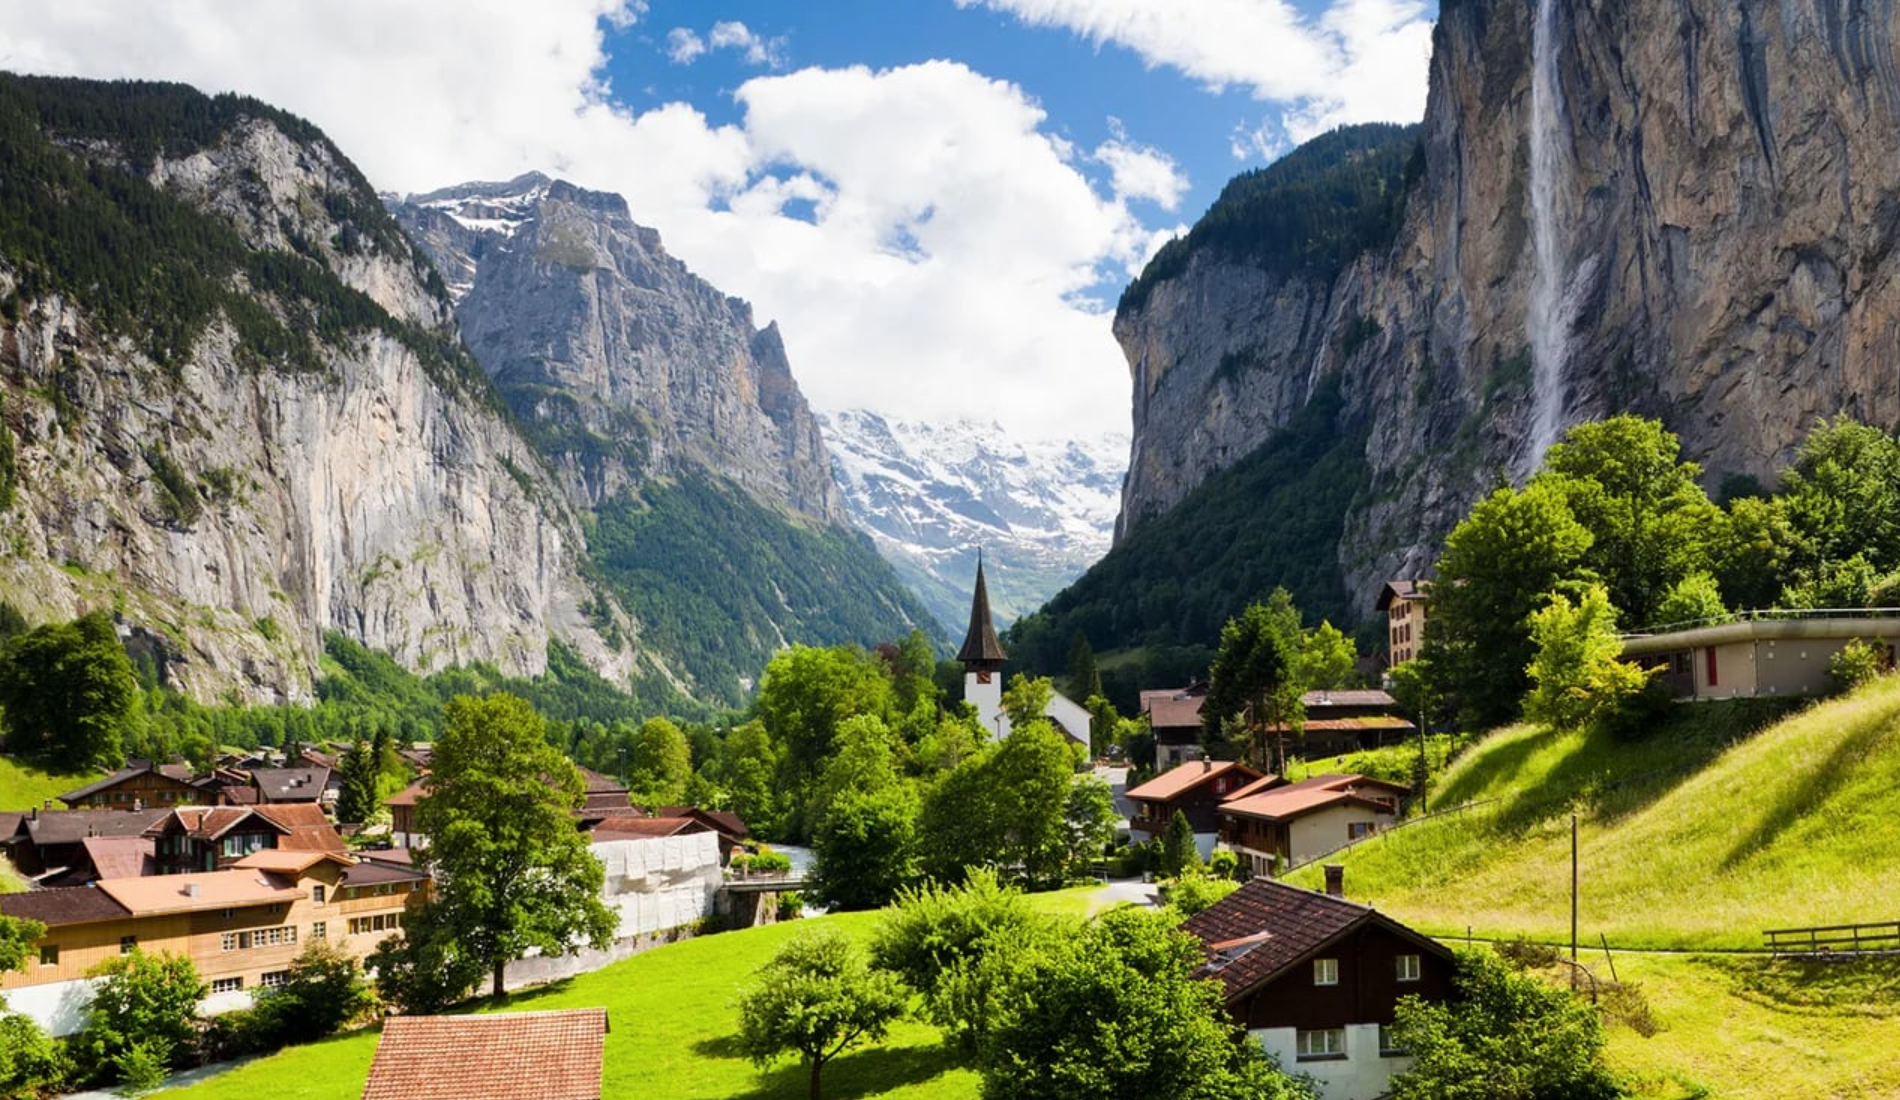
{"points": [[24, 786], [1703, 834], [672, 1031]]}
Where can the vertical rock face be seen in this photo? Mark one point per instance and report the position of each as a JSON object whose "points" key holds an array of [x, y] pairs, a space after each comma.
{"points": [[240, 500], [1729, 198], [624, 364]]}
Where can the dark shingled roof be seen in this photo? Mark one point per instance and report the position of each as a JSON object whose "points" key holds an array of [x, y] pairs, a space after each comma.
{"points": [[177, 772], [980, 645], [64, 905], [372, 872], [73, 826], [504, 1056], [1258, 931]]}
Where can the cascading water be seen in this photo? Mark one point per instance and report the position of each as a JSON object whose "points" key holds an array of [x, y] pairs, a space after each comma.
{"points": [[1549, 312]]}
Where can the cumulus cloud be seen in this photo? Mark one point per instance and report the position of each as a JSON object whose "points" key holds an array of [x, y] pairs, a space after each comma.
{"points": [[683, 46], [1359, 61], [1139, 171], [929, 247], [758, 50]]}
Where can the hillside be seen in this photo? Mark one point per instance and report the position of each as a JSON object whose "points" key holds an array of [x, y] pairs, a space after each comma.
{"points": [[1702, 835], [1677, 209]]}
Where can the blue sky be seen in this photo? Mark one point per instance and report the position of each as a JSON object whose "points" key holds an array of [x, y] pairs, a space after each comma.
{"points": [[938, 201]]}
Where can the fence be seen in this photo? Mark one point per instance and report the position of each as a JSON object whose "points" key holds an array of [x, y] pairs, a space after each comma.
{"points": [[1836, 939]]}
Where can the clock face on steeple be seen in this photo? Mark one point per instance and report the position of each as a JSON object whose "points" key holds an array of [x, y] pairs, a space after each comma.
{"points": [[983, 677]]}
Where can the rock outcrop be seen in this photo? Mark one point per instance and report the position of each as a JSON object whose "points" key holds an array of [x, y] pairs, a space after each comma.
{"points": [[1723, 197], [596, 334]]}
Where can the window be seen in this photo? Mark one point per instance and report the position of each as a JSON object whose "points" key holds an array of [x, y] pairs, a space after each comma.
{"points": [[1325, 1042], [49, 954], [226, 985], [1358, 830], [273, 937], [1325, 971], [127, 943], [316, 894], [273, 979], [228, 942], [1389, 1045], [1408, 968], [319, 931]]}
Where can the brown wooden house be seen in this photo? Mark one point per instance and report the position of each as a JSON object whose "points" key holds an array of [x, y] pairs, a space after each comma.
{"points": [[1315, 979], [1195, 790]]}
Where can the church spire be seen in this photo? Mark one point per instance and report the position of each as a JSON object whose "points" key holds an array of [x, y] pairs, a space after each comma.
{"points": [[981, 651]]}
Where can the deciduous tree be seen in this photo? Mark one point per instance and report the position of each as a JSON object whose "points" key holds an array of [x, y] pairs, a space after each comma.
{"points": [[1576, 678], [816, 998], [661, 765], [511, 870], [68, 692]]}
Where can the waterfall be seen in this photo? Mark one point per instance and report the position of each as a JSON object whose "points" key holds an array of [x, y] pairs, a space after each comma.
{"points": [[1550, 310]]}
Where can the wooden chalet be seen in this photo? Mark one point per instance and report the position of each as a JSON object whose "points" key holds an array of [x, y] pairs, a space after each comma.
{"points": [[1194, 789]]}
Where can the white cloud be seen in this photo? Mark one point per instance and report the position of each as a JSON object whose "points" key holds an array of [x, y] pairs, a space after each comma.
{"points": [[758, 50], [1359, 61], [1139, 171], [927, 246], [683, 46]]}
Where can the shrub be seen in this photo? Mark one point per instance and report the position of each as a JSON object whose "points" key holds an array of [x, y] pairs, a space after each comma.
{"points": [[935, 940], [1858, 662], [1225, 864], [1190, 894], [144, 1011], [30, 1061], [325, 991], [764, 861], [791, 905]]}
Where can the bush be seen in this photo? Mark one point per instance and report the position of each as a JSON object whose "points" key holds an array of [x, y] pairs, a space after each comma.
{"points": [[144, 1012], [420, 974], [1858, 662], [1190, 894], [324, 992], [791, 905], [764, 861], [30, 1061], [935, 939], [1225, 864]]}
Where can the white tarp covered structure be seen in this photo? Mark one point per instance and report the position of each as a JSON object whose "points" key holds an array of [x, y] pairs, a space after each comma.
{"points": [[656, 883]]}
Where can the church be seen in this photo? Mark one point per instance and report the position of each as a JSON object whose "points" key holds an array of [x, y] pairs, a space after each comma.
{"points": [[983, 658]]}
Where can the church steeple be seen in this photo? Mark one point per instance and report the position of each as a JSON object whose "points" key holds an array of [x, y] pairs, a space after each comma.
{"points": [[981, 651]]}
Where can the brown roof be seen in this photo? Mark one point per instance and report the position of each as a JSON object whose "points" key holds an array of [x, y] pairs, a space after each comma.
{"points": [[371, 872], [1264, 783], [64, 905], [213, 890], [203, 822], [290, 784], [1172, 709], [408, 795], [629, 827], [72, 826], [1260, 930], [177, 773], [289, 861], [505, 1056], [1399, 590], [120, 856], [305, 827], [1183, 778], [979, 643], [1298, 799], [724, 822]]}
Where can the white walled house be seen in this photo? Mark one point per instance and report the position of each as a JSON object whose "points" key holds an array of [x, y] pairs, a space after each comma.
{"points": [[1290, 824]]}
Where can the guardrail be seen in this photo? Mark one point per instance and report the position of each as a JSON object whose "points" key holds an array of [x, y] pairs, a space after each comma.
{"points": [[1769, 614], [1835, 939]]}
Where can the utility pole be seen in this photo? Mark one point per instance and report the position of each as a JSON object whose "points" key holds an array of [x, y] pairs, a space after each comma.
{"points": [[1573, 901]]}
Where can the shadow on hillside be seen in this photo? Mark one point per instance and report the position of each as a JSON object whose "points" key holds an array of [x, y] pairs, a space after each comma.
{"points": [[847, 1077], [1490, 767], [1823, 779]]}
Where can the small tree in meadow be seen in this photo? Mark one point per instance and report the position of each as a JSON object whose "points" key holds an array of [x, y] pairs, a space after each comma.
{"points": [[816, 998], [1178, 852]]}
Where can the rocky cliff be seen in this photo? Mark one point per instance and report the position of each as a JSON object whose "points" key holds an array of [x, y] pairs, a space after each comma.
{"points": [[239, 411], [1686, 209], [624, 363]]}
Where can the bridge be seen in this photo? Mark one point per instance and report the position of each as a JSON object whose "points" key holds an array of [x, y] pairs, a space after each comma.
{"points": [[764, 884]]}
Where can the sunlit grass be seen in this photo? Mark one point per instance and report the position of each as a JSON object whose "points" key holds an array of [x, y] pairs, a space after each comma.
{"points": [[24, 786]]}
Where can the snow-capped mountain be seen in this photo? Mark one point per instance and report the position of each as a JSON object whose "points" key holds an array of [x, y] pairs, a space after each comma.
{"points": [[931, 494]]}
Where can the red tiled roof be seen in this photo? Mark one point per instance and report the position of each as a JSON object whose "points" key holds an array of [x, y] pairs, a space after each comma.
{"points": [[1172, 709], [1264, 783], [504, 1056], [120, 856], [1183, 778], [1255, 933], [306, 827]]}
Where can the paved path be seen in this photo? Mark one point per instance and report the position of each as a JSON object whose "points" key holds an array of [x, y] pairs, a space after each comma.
{"points": [[175, 1081], [1129, 891]]}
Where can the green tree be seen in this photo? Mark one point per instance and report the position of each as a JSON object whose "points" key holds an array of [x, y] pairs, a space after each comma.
{"points": [[748, 766], [865, 761], [1500, 564], [1577, 680], [141, 1000], [357, 802], [1506, 1036], [866, 847], [1179, 854], [511, 871], [1085, 679], [1089, 819], [1841, 498], [1754, 559], [425, 969], [1025, 699], [68, 692], [935, 939], [913, 673], [1696, 598], [1328, 659], [806, 695], [324, 991], [1104, 722], [30, 1061], [17, 937], [1650, 522], [815, 998], [1030, 776], [1115, 1008], [1191, 894], [1255, 677], [957, 828], [661, 765]]}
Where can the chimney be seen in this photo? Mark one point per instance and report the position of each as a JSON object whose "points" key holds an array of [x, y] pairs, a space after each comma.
{"points": [[1336, 880], [34, 814], [191, 889], [1206, 765], [138, 804]]}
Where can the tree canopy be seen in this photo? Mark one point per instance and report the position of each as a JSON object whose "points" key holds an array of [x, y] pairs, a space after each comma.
{"points": [[511, 870], [68, 693], [816, 998]]}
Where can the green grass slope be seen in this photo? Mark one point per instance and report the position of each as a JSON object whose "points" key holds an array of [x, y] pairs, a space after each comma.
{"points": [[24, 786], [672, 1033], [1708, 831]]}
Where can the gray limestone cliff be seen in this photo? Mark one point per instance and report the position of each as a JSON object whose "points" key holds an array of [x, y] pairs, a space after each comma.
{"points": [[623, 364], [1720, 186], [315, 454]]}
